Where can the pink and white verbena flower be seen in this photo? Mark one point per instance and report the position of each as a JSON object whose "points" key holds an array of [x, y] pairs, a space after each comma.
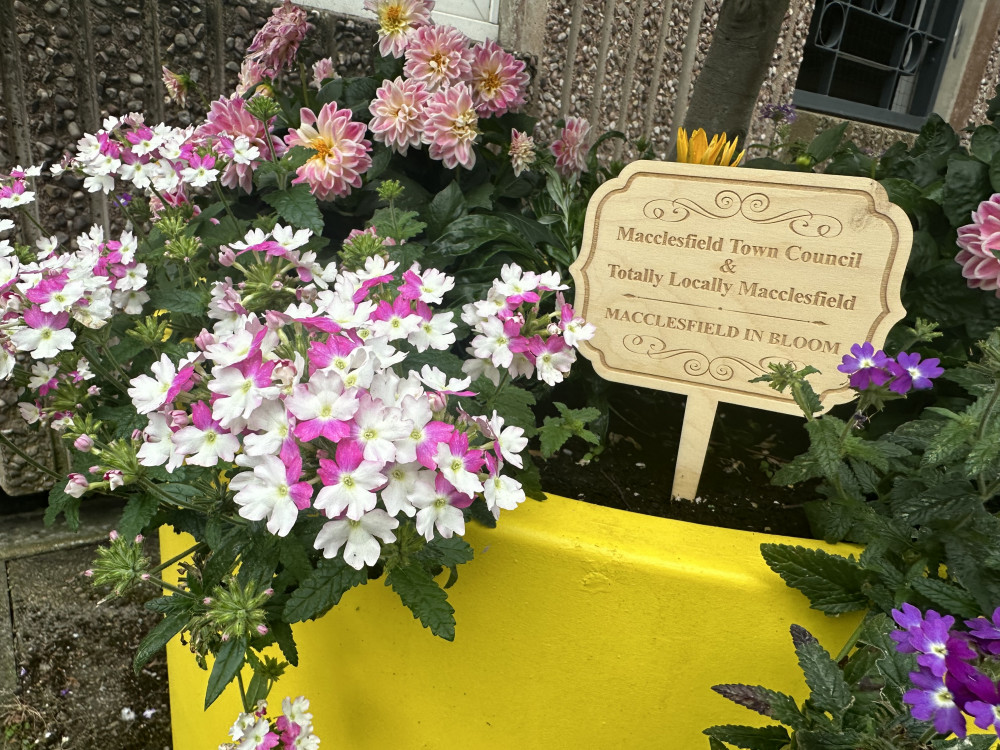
{"points": [[398, 114], [451, 126], [977, 241], [341, 151], [398, 21], [439, 56], [570, 149]]}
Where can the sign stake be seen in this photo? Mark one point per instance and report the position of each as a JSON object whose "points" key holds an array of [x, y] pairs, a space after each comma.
{"points": [[699, 416]]}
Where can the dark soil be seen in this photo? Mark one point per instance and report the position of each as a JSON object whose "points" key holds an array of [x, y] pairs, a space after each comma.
{"points": [[635, 471], [73, 657]]}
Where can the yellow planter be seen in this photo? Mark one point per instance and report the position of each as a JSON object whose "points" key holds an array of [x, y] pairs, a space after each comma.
{"points": [[578, 626]]}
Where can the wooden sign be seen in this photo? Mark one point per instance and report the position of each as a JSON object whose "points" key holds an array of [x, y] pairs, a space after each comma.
{"points": [[698, 277]]}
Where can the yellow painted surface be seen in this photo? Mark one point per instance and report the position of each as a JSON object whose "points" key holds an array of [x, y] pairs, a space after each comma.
{"points": [[578, 627]]}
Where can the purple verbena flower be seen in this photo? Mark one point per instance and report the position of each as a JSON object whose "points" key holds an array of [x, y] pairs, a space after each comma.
{"points": [[910, 373], [986, 633], [931, 700], [865, 366], [929, 636]]}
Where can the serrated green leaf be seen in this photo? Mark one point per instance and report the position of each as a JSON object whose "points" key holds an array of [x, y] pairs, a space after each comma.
{"points": [[830, 692], [553, 434], [138, 512], [770, 703], [322, 590], [158, 637], [799, 469], [422, 595], [294, 558], [177, 300], [971, 742], [227, 664], [893, 666], [869, 451], [950, 442], [830, 739], [297, 206], [282, 633], [825, 443], [867, 478], [750, 738], [946, 596], [985, 143], [966, 181], [832, 584], [446, 552], [62, 504]]}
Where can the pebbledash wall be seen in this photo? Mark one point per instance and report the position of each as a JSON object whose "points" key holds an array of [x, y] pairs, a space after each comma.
{"points": [[66, 64]]}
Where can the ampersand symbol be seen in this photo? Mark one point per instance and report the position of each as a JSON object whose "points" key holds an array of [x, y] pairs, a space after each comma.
{"points": [[728, 267]]}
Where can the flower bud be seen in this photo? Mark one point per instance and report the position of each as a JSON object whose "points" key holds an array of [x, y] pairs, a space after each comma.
{"points": [[77, 485], [84, 443], [227, 256]]}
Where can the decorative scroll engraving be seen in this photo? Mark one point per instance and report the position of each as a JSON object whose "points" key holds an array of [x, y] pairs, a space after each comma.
{"points": [[722, 368], [728, 204]]}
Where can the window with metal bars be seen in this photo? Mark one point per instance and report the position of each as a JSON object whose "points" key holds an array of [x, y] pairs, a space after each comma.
{"points": [[876, 60]]}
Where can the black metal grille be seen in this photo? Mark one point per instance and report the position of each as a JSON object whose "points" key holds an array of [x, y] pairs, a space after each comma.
{"points": [[876, 60]]}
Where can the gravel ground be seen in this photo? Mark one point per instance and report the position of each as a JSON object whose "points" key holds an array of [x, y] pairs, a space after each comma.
{"points": [[72, 658]]}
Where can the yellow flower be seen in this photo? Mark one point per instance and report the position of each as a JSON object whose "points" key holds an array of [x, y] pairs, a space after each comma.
{"points": [[698, 150]]}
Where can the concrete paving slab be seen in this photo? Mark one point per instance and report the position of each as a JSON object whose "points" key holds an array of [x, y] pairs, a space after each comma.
{"points": [[25, 534]]}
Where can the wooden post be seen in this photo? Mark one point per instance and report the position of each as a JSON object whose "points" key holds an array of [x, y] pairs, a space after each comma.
{"points": [[699, 416]]}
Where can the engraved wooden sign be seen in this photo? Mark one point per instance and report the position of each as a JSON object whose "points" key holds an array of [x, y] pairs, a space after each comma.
{"points": [[697, 277]]}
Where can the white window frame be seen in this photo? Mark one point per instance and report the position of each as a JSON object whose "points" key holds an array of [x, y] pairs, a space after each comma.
{"points": [[477, 19]]}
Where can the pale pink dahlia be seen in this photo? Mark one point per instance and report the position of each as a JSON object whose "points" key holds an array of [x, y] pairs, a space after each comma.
{"points": [[278, 40], [571, 148], [252, 72], [439, 56], [451, 126], [229, 117], [522, 151], [977, 242], [177, 85], [398, 113], [323, 69], [341, 151], [398, 20], [497, 78]]}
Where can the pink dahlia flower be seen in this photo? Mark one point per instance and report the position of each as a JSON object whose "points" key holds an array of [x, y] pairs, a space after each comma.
{"points": [[522, 151], [571, 148], [278, 40], [451, 126], [398, 113], [398, 20], [977, 241], [252, 72], [323, 69], [497, 78], [177, 85], [439, 56], [341, 151], [229, 118]]}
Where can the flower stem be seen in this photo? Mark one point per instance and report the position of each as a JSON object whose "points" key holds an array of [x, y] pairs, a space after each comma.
{"points": [[170, 587], [178, 558], [243, 692], [222, 197], [28, 459], [34, 221], [842, 654]]}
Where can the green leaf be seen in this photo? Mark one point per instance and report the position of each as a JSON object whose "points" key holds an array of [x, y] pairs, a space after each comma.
{"points": [[138, 512], [830, 692], [446, 552], [985, 143], [903, 193], [177, 300], [447, 206], [946, 596], [770, 703], [825, 144], [826, 447], [971, 742], [297, 206], [227, 664], [158, 638], [832, 584], [282, 633], [428, 601], [751, 738], [966, 181], [868, 451], [61, 503], [322, 590], [553, 434], [480, 196]]}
